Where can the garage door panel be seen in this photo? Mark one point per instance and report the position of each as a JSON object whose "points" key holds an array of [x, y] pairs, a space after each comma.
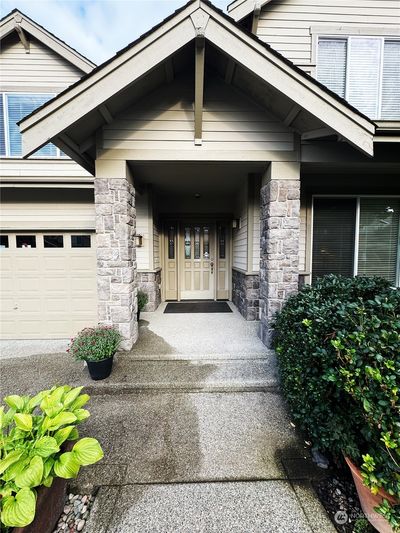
{"points": [[47, 293]]}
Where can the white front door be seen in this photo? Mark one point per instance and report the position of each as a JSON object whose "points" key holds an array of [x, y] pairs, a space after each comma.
{"points": [[197, 261]]}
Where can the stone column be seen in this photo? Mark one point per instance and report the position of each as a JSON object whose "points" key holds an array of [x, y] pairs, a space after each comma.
{"points": [[116, 253], [279, 241]]}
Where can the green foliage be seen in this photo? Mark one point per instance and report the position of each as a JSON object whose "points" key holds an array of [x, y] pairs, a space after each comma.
{"points": [[142, 300], [32, 432], [338, 345], [361, 525], [95, 344]]}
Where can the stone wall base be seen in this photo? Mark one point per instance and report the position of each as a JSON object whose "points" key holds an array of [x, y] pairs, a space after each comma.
{"points": [[246, 294], [150, 283]]}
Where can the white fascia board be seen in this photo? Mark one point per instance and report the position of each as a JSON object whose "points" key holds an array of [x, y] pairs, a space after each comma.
{"points": [[241, 8]]}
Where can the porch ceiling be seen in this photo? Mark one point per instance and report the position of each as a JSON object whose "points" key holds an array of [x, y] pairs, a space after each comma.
{"points": [[74, 119]]}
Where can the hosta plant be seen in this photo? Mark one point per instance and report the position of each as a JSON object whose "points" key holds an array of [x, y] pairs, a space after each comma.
{"points": [[33, 431]]}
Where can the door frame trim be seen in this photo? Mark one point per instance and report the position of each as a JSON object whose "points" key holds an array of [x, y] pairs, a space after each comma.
{"points": [[181, 220]]}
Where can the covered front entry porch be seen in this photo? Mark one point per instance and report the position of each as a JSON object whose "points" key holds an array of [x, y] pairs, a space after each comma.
{"points": [[200, 92]]}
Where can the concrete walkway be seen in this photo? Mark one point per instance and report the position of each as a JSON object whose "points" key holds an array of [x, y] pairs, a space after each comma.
{"points": [[195, 433]]}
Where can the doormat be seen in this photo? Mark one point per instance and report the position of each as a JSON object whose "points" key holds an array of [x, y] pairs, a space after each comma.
{"points": [[198, 307]]}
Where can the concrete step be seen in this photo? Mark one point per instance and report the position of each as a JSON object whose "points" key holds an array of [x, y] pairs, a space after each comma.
{"points": [[130, 374], [213, 375]]}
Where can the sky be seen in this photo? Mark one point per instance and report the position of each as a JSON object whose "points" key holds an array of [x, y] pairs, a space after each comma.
{"points": [[97, 28]]}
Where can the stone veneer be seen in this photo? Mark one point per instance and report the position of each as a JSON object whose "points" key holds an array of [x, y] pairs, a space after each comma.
{"points": [[116, 256], [150, 283], [280, 234], [246, 293]]}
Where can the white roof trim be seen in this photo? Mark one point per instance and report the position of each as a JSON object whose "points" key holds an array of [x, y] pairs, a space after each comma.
{"points": [[241, 8], [15, 18], [87, 95]]}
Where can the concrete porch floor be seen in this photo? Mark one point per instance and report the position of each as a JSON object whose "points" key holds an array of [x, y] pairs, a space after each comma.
{"points": [[195, 433], [197, 336]]}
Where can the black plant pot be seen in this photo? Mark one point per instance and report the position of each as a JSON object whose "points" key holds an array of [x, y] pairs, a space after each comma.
{"points": [[100, 369]]}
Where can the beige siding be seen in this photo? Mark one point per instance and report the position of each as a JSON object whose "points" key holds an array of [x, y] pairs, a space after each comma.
{"points": [[142, 228], [41, 69], [239, 241], [286, 24], [47, 209], [166, 121], [156, 247], [42, 170]]}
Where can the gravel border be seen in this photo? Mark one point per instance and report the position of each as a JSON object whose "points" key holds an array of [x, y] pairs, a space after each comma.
{"points": [[75, 513]]}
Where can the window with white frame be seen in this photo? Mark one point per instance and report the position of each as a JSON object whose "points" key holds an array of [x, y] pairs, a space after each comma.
{"points": [[13, 108], [363, 70], [356, 236]]}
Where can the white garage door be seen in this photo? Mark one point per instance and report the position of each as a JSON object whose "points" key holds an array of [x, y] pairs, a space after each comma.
{"points": [[48, 284]]}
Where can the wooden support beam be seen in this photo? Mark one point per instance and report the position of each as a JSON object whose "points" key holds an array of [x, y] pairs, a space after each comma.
{"points": [[68, 146], [105, 113], [317, 134], [291, 116], [230, 71], [22, 37], [256, 18], [169, 70], [88, 143], [199, 89]]}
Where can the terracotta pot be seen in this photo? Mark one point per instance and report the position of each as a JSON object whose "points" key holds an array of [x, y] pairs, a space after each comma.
{"points": [[49, 506], [369, 501]]}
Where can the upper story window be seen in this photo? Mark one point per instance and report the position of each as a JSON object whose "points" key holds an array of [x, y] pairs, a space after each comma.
{"points": [[363, 70], [14, 107]]}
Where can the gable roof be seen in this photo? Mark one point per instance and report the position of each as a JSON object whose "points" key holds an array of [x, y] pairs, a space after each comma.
{"points": [[239, 9], [132, 63], [16, 20]]}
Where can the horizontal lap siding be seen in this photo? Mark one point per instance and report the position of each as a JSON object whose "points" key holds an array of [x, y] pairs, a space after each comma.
{"points": [[40, 69], [285, 24], [303, 237], [142, 228], [165, 121], [239, 248]]}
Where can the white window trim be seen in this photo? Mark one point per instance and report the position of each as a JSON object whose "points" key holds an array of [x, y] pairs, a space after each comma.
{"points": [[7, 146], [349, 39], [357, 197]]}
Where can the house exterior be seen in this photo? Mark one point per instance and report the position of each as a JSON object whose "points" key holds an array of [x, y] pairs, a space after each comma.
{"points": [[233, 157]]}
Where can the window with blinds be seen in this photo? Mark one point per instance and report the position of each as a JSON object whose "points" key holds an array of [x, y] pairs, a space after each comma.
{"points": [[333, 236], [378, 237], [374, 234], [365, 71], [2, 136], [14, 107], [331, 68], [391, 80]]}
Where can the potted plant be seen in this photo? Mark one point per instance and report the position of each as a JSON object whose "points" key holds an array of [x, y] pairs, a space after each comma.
{"points": [[142, 300], [96, 346], [39, 450]]}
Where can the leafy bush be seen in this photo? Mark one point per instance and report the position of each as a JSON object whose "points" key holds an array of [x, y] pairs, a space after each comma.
{"points": [[32, 433], [142, 299], [95, 344], [338, 345]]}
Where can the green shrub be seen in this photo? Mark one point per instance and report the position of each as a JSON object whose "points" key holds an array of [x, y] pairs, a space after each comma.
{"points": [[142, 299], [32, 433], [338, 345], [95, 344]]}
